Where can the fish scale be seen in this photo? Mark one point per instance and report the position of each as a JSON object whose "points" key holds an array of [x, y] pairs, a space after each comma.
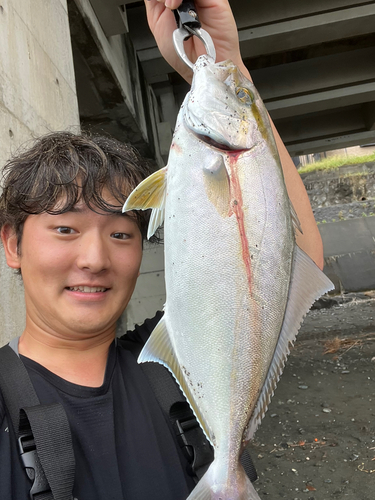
{"points": [[237, 285]]}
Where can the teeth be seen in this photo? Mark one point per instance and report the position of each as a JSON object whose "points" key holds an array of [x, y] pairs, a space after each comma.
{"points": [[87, 289]]}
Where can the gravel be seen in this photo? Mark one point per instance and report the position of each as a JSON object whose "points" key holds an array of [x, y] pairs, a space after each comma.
{"points": [[318, 443], [335, 213]]}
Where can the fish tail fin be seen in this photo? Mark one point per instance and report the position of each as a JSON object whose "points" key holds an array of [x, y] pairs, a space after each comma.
{"points": [[214, 486]]}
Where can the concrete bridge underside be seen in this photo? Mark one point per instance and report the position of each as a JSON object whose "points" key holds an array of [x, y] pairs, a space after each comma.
{"points": [[312, 62]]}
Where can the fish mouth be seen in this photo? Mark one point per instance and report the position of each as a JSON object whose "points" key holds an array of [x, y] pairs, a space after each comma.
{"points": [[197, 128], [211, 142], [218, 145]]}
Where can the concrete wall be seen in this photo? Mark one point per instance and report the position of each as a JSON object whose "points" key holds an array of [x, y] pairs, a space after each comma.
{"points": [[37, 95], [349, 245], [349, 254], [342, 185], [149, 294]]}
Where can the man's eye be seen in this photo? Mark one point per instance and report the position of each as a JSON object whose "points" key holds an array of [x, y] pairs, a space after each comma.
{"points": [[65, 230], [120, 236]]}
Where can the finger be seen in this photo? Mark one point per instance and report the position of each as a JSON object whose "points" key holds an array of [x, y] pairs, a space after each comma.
{"points": [[160, 19], [170, 4]]}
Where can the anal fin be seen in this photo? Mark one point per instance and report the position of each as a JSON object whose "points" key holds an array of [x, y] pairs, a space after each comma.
{"points": [[159, 349]]}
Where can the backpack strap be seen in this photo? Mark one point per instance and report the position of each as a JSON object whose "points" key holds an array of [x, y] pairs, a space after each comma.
{"points": [[196, 448], [42, 431]]}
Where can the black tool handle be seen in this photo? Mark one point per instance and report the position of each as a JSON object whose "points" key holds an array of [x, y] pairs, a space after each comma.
{"points": [[186, 15]]}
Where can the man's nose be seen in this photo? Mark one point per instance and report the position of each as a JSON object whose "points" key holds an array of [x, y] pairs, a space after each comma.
{"points": [[93, 252]]}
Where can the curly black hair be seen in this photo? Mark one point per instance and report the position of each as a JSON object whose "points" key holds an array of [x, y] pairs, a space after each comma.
{"points": [[63, 168]]}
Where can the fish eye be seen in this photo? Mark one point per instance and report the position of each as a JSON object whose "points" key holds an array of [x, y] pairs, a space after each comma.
{"points": [[244, 95]]}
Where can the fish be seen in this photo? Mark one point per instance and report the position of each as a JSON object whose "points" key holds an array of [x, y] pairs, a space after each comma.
{"points": [[237, 285]]}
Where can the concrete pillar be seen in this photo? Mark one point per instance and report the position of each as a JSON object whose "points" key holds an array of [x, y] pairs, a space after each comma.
{"points": [[37, 95], [149, 294]]}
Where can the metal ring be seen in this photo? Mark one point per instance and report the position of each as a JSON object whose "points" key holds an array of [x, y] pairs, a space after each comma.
{"points": [[182, 34]]}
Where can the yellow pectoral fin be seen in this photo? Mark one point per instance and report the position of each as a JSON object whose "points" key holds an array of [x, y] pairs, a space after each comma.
{"points": [[150, 193]]}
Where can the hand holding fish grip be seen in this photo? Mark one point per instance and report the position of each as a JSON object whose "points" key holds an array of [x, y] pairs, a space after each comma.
{"points": [[188, 25]]}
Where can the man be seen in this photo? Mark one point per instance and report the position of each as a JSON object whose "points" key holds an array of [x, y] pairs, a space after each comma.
{"points": [[79, 257]]}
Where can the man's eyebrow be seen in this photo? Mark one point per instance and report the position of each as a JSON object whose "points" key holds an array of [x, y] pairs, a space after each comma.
{"points": [[82, 208]]}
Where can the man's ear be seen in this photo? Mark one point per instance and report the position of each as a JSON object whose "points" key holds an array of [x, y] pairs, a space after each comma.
{"points": [[9, 239]]}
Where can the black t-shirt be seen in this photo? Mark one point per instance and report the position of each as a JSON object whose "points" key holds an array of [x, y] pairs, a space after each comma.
{"points": [[124, 447]]}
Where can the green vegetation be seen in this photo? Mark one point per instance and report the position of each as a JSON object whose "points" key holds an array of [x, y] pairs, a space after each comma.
{"points": [[335, 162]]}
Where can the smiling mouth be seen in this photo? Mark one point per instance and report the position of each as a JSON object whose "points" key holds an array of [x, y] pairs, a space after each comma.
{"points": [[87, 289]]}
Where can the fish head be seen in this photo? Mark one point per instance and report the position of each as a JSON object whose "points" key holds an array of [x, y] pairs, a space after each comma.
{"points": [[224, 108]]}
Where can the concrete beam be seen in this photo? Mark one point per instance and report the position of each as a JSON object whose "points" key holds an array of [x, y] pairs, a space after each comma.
{"points": [[315, 75], [112, 16], [140, 33], [326, 130], [370, 116], [329, 123], [318, 145], [322, 101], [165, 134], [167, 100], [112, 94], [309, 30], [272, 11], [154, 66]]}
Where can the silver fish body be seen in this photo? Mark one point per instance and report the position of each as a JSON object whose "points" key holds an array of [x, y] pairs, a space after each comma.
{"points": [[235, 278]]}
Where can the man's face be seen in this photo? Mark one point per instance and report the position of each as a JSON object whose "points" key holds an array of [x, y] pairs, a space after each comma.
{"points": [[79, 270]]}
